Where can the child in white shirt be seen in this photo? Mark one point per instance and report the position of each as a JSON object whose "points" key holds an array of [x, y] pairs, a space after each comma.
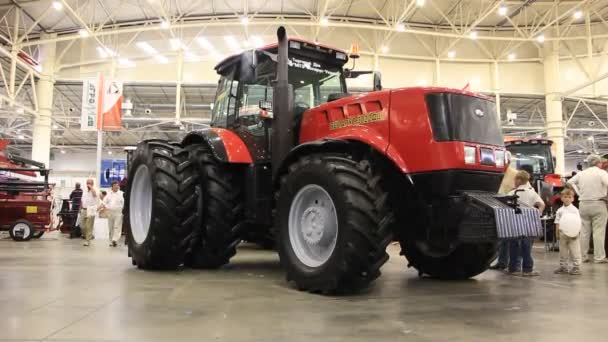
{"points": [[568, 222]]}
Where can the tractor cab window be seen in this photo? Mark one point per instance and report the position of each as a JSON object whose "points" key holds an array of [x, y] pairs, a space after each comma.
{"points": [[249, 110], [534, 157], [225, 101]]}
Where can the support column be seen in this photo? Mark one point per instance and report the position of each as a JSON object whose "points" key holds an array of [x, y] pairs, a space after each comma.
{"points": [[437, 73], [178, 86], [41, 135], [553, 103], [100, 134], [496, 88]]}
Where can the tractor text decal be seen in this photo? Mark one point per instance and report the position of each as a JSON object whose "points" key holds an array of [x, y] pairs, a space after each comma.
{"points": [[357, 120]]}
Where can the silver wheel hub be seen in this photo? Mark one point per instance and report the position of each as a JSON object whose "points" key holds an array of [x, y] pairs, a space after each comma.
{"points": [[313, 225], [140, 204], [22, 230]]}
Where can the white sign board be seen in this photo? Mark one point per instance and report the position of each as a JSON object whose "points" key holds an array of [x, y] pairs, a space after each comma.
{"points": [[88, 118]]}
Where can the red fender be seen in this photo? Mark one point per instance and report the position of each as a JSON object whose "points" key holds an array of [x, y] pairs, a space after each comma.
{"points": [[236, 150]]}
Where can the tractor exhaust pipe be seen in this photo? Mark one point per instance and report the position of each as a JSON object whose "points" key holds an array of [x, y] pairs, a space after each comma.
{"points": [[283, 137]]}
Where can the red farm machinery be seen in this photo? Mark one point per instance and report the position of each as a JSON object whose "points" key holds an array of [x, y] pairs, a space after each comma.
{"points": [[25, 196], [332, 177]]}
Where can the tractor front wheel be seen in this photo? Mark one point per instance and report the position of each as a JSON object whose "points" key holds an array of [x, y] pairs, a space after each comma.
{"points": [[464, 261], [334, 223]]}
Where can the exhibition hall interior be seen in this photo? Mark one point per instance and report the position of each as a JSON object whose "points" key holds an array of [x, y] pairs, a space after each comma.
{"points": [[310, 170]]}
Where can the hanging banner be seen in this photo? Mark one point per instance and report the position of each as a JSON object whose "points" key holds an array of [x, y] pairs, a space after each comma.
{"points": [[90, 99], [110, 105]]}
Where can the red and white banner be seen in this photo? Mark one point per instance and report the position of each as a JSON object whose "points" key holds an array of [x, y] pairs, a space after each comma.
{"points": [[109, 113], [101, 105]]}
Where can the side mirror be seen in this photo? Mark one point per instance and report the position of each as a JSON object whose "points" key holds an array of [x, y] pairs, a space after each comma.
{"points": [[248, 66], [377, 80]]}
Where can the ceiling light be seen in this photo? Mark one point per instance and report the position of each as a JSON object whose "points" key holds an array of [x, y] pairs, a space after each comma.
{"points": [[502, 10], [473, 35], [20, 110], [245, 20], [400, 27], [83, 33], [256, 41], [125, 62], [110, 152], [578, 14], [20, 137], [176, 44], [161, 59], [451, 54], [204, 43], [512, 56], [540, 38], [324, 21], [165, 24], [384, 49], [231, 41], [147, 47], [62, 151], [57, 5], [55, 126], [420, 3], [191, 57], [105, 52]]}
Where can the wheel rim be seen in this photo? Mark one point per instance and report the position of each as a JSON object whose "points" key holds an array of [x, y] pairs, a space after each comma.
{"points": [[313, 225], [140, 204], [23, 228]]}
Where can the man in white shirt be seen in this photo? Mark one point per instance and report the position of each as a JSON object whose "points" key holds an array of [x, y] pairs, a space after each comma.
{"points": [[90, 201], [113, 204], [591, 185]]}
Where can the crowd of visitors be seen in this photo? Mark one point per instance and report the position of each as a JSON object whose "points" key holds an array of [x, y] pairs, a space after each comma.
{"points": [[575, 226], [101, 204]]}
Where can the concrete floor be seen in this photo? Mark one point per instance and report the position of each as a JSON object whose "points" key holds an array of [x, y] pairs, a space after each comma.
{"points": [[56, 290]]}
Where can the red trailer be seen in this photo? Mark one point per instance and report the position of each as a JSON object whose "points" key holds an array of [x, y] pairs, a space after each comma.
{"points": [[25, 199]]}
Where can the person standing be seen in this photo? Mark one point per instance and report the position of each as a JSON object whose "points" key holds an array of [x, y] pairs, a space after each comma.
{"points": [[113, 204], [76, 197], [568, 223], [89, 210], [507, 184], [521, 249], [591, 185]]}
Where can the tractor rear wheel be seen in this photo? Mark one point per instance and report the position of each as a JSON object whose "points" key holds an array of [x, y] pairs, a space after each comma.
{"points": [[21, 230], [220, 210], [160, 199], [334, 223], [464, 261]]}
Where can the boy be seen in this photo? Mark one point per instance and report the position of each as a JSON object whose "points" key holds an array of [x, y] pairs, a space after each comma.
{"points": [[522, 248], [568, 222]]}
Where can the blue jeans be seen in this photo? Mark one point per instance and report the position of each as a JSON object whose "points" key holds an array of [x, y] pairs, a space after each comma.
{"points": [[503, 254], [521, 250]]}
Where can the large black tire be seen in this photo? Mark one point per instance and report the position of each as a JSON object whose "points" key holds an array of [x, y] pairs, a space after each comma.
{"points": [[364, 222], [21, 230], [220, 212], [173, 199], [465, 261], [38, 234]]}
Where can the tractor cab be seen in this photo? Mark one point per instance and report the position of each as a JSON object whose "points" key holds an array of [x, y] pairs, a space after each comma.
{"points": [[534, 156], [244, 97]]}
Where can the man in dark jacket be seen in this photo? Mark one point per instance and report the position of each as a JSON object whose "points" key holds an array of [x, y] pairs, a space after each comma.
{"points": [[76, 197]]}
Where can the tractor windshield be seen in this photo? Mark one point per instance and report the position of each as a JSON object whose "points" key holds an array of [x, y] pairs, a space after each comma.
{"points": [[535, 157]]}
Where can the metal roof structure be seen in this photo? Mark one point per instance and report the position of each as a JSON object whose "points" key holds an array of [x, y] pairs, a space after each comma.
{"points": [[492, 30]]}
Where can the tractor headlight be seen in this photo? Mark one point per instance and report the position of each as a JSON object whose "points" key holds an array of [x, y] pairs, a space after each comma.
{"points": [[469, 154], [500, 158]]}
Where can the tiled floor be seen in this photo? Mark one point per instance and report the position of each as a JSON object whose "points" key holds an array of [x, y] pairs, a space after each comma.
{"points": [[56, 290]]}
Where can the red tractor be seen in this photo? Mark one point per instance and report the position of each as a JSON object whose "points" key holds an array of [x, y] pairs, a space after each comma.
{"points": [[25, 201], [334, 178]]}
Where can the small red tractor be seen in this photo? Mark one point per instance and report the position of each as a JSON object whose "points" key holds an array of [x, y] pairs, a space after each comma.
{"points": [[333, 177], [25, 201]]}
